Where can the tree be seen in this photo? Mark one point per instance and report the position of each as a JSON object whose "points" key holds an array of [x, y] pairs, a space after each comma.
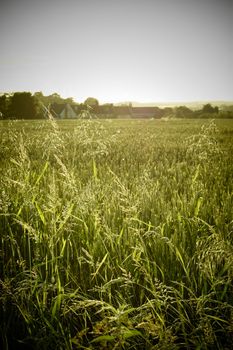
{"points": [[183, 112], [92, 102], [39, 95], [209, 109], [23, 105], [53, 98], [4, 101], [167, 112], [158, 112]]}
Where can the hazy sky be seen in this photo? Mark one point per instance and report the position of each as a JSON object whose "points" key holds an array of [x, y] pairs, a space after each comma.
{"points": [[118, 50]]}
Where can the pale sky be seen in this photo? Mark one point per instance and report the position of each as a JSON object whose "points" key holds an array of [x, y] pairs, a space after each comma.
{"points": [[118, 50]]}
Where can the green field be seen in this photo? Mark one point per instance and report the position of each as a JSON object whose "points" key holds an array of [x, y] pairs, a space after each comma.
{"points": [[116, 234]]}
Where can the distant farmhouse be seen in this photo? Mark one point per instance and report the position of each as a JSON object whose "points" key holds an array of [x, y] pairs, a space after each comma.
{"points": [[135, 112], [143, 112], [63, 111], [74, 111]]}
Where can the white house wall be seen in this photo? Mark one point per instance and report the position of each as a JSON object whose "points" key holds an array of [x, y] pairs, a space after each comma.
{"points": [[68, 112]]}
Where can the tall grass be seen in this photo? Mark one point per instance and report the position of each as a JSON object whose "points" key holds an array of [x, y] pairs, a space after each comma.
{"points": [[116, 235]]}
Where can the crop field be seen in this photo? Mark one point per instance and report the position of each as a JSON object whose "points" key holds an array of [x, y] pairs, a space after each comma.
{"points": [[116, 234]]}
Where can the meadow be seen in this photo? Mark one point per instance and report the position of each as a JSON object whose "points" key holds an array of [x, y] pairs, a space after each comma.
{"points": [[116, 234]]}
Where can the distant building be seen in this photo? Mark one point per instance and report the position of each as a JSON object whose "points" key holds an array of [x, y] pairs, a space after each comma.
{"points": [[68, 112], [143, 112], [63, 111], [72, 111], [123, 111]]}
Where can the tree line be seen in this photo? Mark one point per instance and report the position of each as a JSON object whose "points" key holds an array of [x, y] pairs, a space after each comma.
{"points": [[25, 105]]}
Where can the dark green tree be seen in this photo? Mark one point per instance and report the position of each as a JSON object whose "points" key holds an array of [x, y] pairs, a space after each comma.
{"points": [[183, 112], [167, 112], [53, 98], [92, 102], [4, 101], [209, 109], [23, 105]]}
